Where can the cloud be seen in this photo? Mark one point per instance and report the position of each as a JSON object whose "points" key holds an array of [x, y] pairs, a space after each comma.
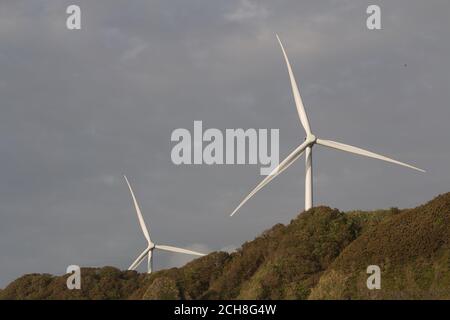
{"points": [[247, 10], [80, 108], [138, 46]]}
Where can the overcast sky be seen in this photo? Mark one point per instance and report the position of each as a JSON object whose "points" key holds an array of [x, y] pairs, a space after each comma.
{"points": [[80, 108]]}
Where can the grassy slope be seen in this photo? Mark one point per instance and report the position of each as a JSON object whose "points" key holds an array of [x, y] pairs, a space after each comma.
{"points": [[323, 253], [412, 249]]}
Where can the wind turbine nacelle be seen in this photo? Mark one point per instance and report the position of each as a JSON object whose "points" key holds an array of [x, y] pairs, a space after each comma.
{"points": [[311, 139]]}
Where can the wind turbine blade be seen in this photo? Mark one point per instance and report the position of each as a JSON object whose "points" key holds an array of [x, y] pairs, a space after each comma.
{"points": [[298, 99], [139, 213], [279, 169], [179, 250], [139, 259], [362, 152]]}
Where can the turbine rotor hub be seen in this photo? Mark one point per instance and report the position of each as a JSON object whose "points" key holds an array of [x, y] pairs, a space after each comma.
{"points": [[311, 139]]}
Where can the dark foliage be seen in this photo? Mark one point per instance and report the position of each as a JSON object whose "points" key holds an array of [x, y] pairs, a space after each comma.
{"points": [[323, 253]]}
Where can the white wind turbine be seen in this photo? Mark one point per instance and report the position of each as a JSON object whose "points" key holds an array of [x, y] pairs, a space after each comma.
{"points": [[151, 246], [307, 145]]}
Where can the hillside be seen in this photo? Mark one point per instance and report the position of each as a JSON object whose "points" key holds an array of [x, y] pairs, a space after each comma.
{"points": [[321, 254], [412, 249]]}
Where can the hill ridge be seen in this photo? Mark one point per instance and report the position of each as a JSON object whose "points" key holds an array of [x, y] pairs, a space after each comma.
{"points": [[322, 253]]}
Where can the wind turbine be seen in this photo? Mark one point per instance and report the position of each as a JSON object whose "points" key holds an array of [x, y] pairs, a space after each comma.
{"points": [[151, 246], [307, 146]]}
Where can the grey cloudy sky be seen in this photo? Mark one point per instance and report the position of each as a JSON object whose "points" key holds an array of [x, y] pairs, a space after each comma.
{"points": [[80, 108]]}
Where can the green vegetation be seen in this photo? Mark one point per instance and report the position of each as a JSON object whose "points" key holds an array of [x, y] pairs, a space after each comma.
{"points": [[412, 248], [103, 283], [321, 254]]}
